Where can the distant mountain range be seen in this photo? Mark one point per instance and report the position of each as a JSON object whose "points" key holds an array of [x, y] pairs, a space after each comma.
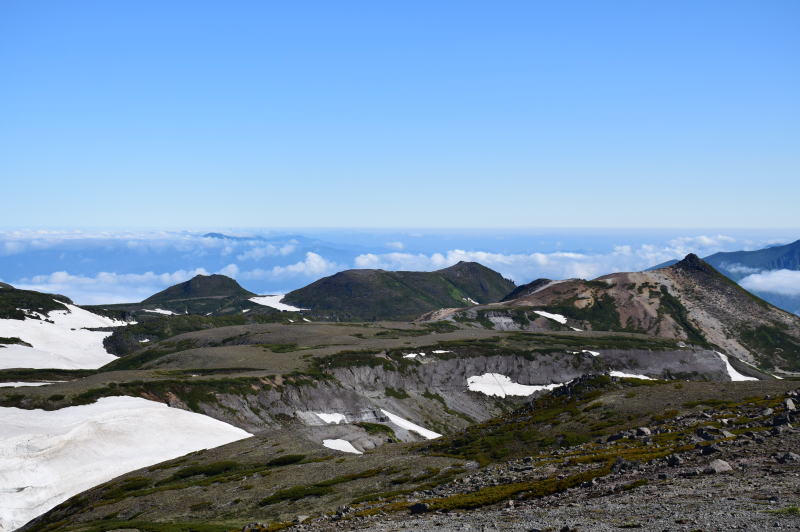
{"points": [[739, 264], [368, 295]]}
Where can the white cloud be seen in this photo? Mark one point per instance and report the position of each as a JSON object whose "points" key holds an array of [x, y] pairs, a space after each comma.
{"points": [[269, 250], [313, 265], [231, 270], [524, 267], [395, 245], [738, 268], [521, 267], [106, 287], [785, 282]]}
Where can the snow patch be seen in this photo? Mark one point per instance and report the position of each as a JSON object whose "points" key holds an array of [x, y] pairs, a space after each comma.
{"points": [[440, 352], [624, 375], [341, 445], [555, 317], [576, 329], [18, 384], [406, 424], [470, 301], [61, 342], [47, 457], [274, 302], [414, 355], [496, 384], [593, 353], [331, 418], [160, 311], [732, 373]]}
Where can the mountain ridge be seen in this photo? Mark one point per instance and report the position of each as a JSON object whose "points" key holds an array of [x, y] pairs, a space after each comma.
{"points": [[689, 301], [372, 294]]}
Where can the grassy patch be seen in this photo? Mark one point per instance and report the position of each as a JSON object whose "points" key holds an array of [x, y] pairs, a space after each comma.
{"points": [[495, 494], [377, 428], [397, 394], [287, 459]]}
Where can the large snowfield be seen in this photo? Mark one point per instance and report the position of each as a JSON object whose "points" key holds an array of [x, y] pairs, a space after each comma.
{"points": [[62, 342], [47, 457]]}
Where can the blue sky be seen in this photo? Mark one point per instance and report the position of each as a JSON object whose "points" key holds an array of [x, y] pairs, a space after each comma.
{"points": [[407, 114]]}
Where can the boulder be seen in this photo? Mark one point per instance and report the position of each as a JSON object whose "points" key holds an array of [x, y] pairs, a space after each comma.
{"points": [[788, 457], [419, 508], [718, 466]]}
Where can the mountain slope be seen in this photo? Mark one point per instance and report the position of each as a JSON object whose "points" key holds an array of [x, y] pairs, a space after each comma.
{"points": [[355, 295], [39, 330], [739, 264], [200, 286], [735, 264], [689, 301], [203, 294]]}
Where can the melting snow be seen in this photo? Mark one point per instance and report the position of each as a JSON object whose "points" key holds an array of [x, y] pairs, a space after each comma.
{"points": [[593, 353], [61, 342], [161, 311], [341, 445], [331, 418], [274, 302], [732, 373], [470, 301], [622, 374], [555, 317], [47, 457], [440, 352], [18, 384], [406, 424], [306, 320], [576, 329], [414, 355], [496, 384]]}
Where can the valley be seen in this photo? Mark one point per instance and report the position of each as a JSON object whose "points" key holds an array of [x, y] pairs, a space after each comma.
{"points": [[300, 417]]}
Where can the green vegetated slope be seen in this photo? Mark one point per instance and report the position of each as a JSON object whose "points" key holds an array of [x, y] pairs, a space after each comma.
{"points": [[154, 328], [200, 286], [14, 302], [202, 295], [368, 295]]}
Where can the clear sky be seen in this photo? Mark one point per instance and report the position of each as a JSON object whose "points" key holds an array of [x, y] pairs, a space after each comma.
{"points": [[400, 114]]}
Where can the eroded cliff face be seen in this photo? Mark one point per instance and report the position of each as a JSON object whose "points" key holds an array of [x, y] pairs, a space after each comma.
{"points": [[432, 390]]}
